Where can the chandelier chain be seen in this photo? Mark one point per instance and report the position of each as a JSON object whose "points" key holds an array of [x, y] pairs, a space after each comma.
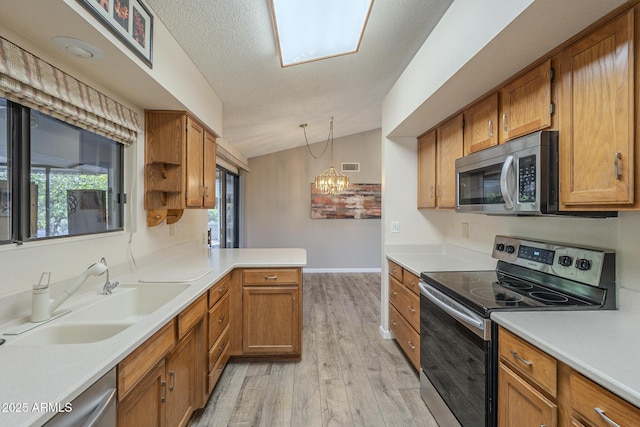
{"points": [[326, 145]]}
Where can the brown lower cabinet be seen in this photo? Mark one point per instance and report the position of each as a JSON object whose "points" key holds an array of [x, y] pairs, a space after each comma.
{"points": [[535, 389], [168, 377], [159, 383]]}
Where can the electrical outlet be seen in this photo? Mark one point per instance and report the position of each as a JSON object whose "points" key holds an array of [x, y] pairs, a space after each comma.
{"points": [[464, 229], [395, 226]]}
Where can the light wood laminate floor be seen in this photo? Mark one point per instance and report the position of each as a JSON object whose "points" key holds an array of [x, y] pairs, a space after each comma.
{"points": [[348, 376]]}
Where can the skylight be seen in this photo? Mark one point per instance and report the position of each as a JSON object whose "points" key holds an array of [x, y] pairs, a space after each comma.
{"points": [[317, 29]]}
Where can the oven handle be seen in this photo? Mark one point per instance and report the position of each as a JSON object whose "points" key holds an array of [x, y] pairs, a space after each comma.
{"points": [[450, 307]]}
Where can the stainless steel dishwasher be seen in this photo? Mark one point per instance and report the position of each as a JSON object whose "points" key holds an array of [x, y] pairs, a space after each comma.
{"points": [[95, 407]]}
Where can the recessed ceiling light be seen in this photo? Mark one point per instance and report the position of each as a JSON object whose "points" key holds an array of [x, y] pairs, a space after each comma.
{"points": [[77, 48], [318, 29]]}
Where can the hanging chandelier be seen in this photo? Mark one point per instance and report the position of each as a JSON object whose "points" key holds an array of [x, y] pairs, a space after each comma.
{"points": [[330, 181]]}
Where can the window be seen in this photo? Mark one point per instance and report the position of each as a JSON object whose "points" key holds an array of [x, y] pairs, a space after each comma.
{"points": [[56, 179], [223, 220]]}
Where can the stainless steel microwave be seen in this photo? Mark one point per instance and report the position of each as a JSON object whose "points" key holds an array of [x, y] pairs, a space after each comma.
{"points": [[519, 177]]}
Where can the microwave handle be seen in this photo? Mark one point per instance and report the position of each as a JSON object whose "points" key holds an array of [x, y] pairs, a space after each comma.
{"points": [[504, 186]]}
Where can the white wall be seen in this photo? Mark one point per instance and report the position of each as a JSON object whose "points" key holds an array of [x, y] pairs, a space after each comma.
{"points": [[277, 195], [20, 266]]}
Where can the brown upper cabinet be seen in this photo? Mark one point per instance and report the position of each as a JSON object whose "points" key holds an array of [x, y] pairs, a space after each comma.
{"points": [[437, 154], [427, 170], [449, 147], [525, 103], [180, 159], [597, 110], [481, 125]]}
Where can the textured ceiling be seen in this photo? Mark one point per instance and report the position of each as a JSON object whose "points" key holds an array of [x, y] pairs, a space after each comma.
{"points": [[233, 45]]}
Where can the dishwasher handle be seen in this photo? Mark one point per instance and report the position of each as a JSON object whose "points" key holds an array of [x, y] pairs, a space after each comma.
{"points": [[103, 406], [450, 307]]}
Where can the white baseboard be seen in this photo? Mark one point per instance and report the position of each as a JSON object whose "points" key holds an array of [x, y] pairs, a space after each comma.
{"points": [[385, 333], [341, 270]]}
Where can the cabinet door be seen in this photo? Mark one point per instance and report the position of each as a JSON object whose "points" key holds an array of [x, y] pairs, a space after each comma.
{"points": [[270, 320], [481, 125], [145, 403], [427, 171], [597, 117], [519, 404], [526, 103], [195, 164], [181, 374], [209, 170], [450, 147]]}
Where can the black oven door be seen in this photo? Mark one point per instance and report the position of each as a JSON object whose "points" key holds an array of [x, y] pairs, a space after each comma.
{"points": [[455, 359]]}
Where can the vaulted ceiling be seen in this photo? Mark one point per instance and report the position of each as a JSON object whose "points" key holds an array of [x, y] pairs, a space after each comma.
{"points": [[234, 46]]}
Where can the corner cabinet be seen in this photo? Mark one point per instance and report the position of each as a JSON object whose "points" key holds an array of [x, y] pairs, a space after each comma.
{"points": [[272, 312], [597, 105], [180, 164]]}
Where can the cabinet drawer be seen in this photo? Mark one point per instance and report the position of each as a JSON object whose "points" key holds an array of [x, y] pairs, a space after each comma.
{"points": [[535, 365], [216, 349], [218, 290], [410, 280], [191, 315], [218, 319], [144, 358], [406, 302], [406, 336], [270, 276], [588, 399], [395, 270], [214, 374]]}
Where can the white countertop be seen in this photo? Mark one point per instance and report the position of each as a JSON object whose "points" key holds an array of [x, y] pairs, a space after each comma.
{"points": [[419, 258], [53, 374], [602, 345]]}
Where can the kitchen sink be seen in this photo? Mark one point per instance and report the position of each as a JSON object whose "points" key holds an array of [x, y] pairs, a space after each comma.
{"points": [[129, 303], [104, 318], [68, 333]]}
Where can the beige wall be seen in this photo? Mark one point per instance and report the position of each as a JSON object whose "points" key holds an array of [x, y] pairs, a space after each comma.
{"points": [[278, 205]]}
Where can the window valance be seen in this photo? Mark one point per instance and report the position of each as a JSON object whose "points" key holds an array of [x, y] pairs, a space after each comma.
{"points": [[30, 81]]}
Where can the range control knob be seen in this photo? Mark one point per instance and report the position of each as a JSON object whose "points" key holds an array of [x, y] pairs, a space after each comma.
{"points": [[583, 264], [565, 260], [500, 247], [509, 249]]}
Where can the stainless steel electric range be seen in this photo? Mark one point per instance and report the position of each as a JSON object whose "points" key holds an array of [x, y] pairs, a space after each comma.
{"points": [[458, 357]]}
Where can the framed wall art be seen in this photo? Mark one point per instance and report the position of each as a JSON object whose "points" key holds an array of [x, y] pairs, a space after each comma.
{"points": [[129, 20], [359, 201]]}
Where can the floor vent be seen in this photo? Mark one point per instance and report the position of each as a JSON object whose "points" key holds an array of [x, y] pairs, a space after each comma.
{"points": [[350, 167]]}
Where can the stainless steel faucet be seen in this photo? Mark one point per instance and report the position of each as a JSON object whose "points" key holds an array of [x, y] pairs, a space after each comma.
{"points": [[108, 286]]}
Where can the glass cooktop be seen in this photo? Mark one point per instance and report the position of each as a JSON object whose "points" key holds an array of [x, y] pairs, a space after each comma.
{"points": [[485, 291]]}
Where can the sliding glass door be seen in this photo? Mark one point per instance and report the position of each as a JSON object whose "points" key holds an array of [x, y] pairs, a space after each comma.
{"points": [[223, 220]]}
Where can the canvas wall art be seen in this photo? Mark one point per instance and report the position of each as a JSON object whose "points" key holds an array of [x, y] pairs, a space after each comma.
{"points": [[359, 201]]}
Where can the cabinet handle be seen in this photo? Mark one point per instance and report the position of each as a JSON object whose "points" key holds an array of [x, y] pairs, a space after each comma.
{"points": [[431, 192], [517, 356], [172, 375], [438, 190], [270, 277], [394, 271], [164, 392], [222, 290], [393, 322], [490, 127], [616, 166], [412, 310], [394, 293], [206, 191], [221, 319], [608, 420], [222, 345], [504, 122], [413, 347]]}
